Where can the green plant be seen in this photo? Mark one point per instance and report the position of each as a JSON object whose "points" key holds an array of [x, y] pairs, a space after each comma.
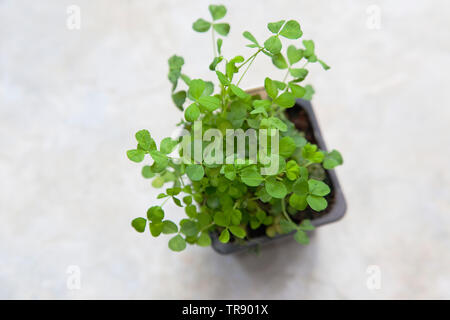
{"points": [[234, 198]]}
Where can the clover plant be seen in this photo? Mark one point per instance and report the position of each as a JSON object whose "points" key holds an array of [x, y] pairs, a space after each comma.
{"points": [[232, 199]]}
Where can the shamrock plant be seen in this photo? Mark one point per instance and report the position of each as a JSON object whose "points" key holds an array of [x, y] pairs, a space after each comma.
{"points": [[232, 196]]}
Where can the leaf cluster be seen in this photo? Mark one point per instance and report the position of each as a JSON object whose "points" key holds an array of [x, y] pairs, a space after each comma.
{"points": [[234, 198]]}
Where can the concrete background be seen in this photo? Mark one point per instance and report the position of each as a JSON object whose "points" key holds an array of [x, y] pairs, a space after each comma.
{"points": [[71, 100]]}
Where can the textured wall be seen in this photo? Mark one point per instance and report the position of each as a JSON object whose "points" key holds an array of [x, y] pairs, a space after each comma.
{"points": [[70, 101]]}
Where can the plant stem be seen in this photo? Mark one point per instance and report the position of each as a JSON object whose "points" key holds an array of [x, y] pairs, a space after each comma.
{"points": [[283, 209], [240, 79], [164, 202], [245, 62], [286, 75]]}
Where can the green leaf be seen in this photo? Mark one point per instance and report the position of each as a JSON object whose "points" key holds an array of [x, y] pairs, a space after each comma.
{"points": [[136, 155], [224, 236], [209, 102], [280, 85], [251, 177], [204, 240], [263, 195], [160, 159], [279, 61], [273, 44], [222, 78], [187, 200], [275, 188], [147, 172], [271, 88], [191, 211], [332, 159], [317, 203], [309, 152], [139, 224], [222, 28], [209, 88], [175, 64], [301, 187], [155, 214], [260, 109], [173, 191], [274, 27], [309, 92], [196, 88], [309, 48], [273, 123], [145, 141], [156, 228], [222, 219], [299, 73], [201, 25], [177, 243], [217, 11], [192, 113], [195, 172], [238, 231], [250, 37], [291, 30], [298, 201], [158, 182], [324, 65], [285, 100], [306, 225], [179, 98], [297, 91], [229, 172], [301, 237], [189, 228], [294, 55], [215, 62], [167, 145], [219, 46], [239, 92], [292, 170], [169, 227], [236, 217], [318, 188], [287, 226], [287, 147]]}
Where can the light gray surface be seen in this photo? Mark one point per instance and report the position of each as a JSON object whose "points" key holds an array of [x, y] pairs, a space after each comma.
{"points": [[70, 102]]}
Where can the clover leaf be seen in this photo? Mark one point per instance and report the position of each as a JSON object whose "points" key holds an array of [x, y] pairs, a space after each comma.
{"points": [[139, 224]]}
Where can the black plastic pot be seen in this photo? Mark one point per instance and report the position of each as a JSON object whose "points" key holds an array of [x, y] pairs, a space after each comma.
{"points": [[336, 210]]}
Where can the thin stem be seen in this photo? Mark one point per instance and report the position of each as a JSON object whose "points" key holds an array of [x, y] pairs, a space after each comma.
{"points": [[251, 59], [245, 62], [283, 209], [286, 75], [164, 202], [240, 79]]}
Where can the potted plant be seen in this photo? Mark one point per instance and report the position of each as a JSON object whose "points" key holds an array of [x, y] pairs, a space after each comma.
{"points": [[250, 166]]}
